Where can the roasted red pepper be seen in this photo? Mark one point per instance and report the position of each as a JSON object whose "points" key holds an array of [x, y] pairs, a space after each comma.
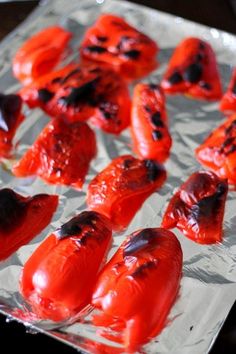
{"points": [[197, 208], [218, 151], [122, 187], [59, 277], [10, 118], [40, 53], [193, 70], [60, 155], [228, 102], [22, 218], [151, 138], [114, 41], [82, 92], [139, 285]]}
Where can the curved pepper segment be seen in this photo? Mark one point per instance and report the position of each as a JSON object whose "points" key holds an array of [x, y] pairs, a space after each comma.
{"points": [[113, 41], [60, 155], [22, 218], [228, 101], [137, 288], [81, 92], [151, 138], [10, 119], [40, 53], [122, 187], [192, 70], [197, 208], [218, 151], [59, 277]]}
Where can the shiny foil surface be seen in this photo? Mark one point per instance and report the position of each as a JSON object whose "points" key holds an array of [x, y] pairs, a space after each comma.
{"points": [[208, 286]]}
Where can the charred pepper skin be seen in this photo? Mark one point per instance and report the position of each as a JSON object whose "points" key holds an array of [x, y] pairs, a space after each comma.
{"points": [[137, 288], [149, 126], [113, 41], [193, 71], [59, 277], [122, 187], [40, 53], [10, 119], [22, 218], [228, 101], [197, 208], [218, 151], [82, 92], [60, 155]]}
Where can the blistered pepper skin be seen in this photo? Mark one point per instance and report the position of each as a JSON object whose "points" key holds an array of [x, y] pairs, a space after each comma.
{"points": [[149, 126], [197, 208], [60, 155], [122, 187], [193, 71], [22, 218], [40, 53], [228, 101], [137, 288], [82, 92], [113, 41], [218, 151], [59, 277], [10, 119]]}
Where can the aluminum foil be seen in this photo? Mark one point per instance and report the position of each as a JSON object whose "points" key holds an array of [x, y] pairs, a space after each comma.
{"points": [[208, 286]]}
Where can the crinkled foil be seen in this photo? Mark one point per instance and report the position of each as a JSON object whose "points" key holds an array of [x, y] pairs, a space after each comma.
{"points": [[208, 286]]}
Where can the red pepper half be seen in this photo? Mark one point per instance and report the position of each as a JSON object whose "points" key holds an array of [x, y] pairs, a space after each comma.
{"points": [[197, 208], [22, 218], [60, 155], [40, 53], [82, 92], [228, 101], [137, 288], [122, 187], [193, 70], [218, 151], [151, 138], [10, 119], [59, 277], [114, 41]]}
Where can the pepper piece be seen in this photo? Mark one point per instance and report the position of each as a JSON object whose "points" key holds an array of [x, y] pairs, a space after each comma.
{"points": [[197, 208], [228, 101]]}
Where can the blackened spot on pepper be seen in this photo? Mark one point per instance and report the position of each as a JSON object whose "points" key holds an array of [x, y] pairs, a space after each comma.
{"points": [[193, 73], [147, 109], [201, 45], [127, 163], [156, 119], [56, 80], [132, 54], [95, 70], [154, 86], [96, 49], [199, 56], [12, 210], [141, 271], [139, 242], [228, 142], [175, 78], [45, 95], [153, 169], [234, 89], [75, 225], [156, 135], [205, 85], [83, 240], [231, 149], [71, 74], [231, 127], [102, 38], [10, 106]]}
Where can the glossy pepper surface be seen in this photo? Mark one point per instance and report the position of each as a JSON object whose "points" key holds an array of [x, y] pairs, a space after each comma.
{"points": [[192, 70], [197, 208], [40, 53], [228, 102], [149, 126], [122, 187], [22, 218], [60, 155], [59, 277], [137, 288], [113, 41], [10, 119], [84, 92], [218, 151]]}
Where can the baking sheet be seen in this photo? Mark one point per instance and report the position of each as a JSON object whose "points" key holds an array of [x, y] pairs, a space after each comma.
{"points": [[208, 286]]}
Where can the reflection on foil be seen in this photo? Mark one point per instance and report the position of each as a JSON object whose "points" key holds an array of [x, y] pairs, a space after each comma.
{"points": [[208, 287]]}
